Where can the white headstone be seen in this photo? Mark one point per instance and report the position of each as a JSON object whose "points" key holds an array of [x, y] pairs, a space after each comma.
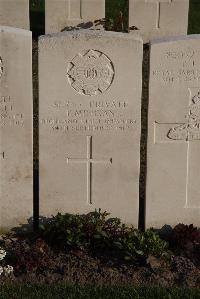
{"points": [[63, 15], [159, 18], [90, 94], [173, 172], [14, 13], [16, 194]]}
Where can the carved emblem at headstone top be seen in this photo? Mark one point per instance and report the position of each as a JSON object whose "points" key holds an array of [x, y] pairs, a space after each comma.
{"points": [[1, 66], [90, 73], [190, 130]]}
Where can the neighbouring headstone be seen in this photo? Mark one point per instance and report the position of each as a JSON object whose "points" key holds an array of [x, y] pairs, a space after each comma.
{"points": [[16, 192], [15, 13], [159, 18], [90, 98], [64, 15], [173, 172]]}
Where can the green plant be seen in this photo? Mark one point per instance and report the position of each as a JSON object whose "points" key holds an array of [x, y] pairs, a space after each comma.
{"points": [[95, 233], [136, 245], [74, 231]]}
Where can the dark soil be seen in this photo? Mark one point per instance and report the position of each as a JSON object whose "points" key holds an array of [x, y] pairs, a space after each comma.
{"points": [[78, 267]]}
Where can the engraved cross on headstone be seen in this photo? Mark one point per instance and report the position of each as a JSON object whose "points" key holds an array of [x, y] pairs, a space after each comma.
{"points": [[189, 133], [89, 161], [158, 2], [2, 155], [74, 8]]}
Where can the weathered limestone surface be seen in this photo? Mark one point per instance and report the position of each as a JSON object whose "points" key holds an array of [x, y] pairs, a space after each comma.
{"points": [[90, 99], [159, 18], [173, 172], [16, 194], [14, 13], [63, 15]]}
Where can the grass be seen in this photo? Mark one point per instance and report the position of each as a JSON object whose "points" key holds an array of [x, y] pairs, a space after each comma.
{"points": [[59, 291], [113, 9]]}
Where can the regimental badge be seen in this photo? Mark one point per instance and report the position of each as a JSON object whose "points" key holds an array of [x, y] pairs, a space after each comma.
{"points": [[90, 73]]}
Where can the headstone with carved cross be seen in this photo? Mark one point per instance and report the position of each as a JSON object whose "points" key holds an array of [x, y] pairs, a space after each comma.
{"points": [[14, 13], [16, 192], [173, 172], [90, 93], [158, 18], [62, 15]]}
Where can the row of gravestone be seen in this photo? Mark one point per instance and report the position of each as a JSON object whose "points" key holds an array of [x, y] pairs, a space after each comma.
{"points": [[90, 85], [151, 18]]}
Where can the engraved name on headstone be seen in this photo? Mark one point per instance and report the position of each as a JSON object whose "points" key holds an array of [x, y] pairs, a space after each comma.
{"points": [[173, 194], [90, 123], [159, 18], [16, 198], [15, 13], [63, 15]]}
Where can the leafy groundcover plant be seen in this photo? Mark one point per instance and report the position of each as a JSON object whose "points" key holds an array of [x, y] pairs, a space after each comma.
{"points": [[99, 235]]}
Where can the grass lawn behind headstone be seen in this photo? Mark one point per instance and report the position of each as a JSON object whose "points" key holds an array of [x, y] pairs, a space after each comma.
{"points": [[194, 17]]}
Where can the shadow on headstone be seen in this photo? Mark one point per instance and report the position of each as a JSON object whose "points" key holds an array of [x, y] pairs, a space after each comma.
{"points": [[88, 25], [134, 28]]}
